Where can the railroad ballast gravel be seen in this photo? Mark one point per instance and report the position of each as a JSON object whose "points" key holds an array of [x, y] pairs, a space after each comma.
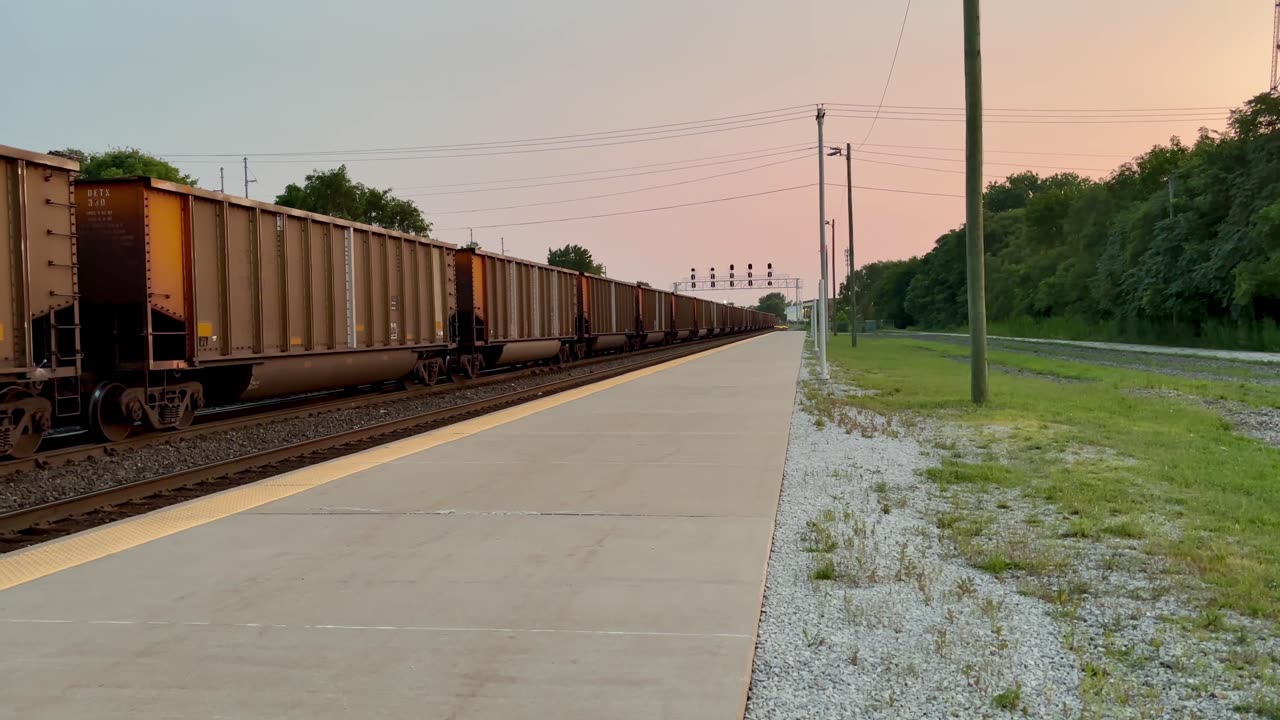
{"points": [[905, 629], [28, 489]]}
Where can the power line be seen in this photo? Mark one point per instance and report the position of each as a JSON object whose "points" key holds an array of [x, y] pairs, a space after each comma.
{"points": [[621, 192], [635, 212], [888, 79], [1002, 152], [549, 140], [938, 159], [1152, 120], [1027, 116], [694, 204], [1036, 110], [793, 146], [512, 152], [607, 177]]}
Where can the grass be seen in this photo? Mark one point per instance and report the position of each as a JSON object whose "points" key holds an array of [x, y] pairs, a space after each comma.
{"points": [[1109, 458], [1214, 334], [1263, 707], [1010, 699]]}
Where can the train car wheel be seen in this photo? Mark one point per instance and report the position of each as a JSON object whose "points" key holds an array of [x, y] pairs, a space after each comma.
{"points": [[26, 433], [107, 417]]}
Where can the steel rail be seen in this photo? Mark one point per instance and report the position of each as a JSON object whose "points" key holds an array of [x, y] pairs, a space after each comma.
{"points": [[244, 469]]}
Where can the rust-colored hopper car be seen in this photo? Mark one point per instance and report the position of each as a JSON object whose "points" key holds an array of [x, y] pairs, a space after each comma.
{"points": [[191, 297]]}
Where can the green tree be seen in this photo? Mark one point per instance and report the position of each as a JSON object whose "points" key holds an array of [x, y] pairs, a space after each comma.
{"points": [[1181, 244], [124, 162], [774, 302], [333, 192], [574, 257]]}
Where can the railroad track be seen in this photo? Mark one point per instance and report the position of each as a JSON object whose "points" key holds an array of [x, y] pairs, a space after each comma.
{"points": [[29, 526], [72, 448]]}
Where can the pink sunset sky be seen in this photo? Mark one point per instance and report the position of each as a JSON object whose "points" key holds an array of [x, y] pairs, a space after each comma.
{"points": [[237, 78]]}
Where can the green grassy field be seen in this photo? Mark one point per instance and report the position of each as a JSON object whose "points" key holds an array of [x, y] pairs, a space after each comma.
{"points": [[1220, 334], [1122, 453]]}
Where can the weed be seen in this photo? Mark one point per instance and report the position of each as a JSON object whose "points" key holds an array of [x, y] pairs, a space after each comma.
{"points": [[824, 569], [813, 640], [853, 656], [990, 608], [1262, 706], [966, 586], [819, 538], [1211, 619], [1126, 528], [1010, 699], [881, 487]]}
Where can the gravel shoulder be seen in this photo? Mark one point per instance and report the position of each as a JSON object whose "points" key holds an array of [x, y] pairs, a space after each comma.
{"points": [[891, 596]]}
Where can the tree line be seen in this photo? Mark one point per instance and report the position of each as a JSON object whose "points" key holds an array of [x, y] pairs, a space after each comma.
{"points": [[1181, 244]]}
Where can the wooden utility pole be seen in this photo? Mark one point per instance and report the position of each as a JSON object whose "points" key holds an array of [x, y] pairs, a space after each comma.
{"points": [[853, 293], [973, 202]]}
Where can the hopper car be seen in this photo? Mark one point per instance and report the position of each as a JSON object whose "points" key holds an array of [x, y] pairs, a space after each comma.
{"points": [[139, 301]]}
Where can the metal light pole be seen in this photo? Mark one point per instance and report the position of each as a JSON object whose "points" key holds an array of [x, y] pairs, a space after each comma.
{"points": [[847, 152], [822, 252], [973, 201]]}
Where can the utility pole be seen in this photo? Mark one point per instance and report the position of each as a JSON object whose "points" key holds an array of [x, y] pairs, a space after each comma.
{"points": [[835, 293], [222, 180], [1170, 196], [973, 202], [822, 251], [1275, 54], [853, 294], [246, 177], [503, 240]]}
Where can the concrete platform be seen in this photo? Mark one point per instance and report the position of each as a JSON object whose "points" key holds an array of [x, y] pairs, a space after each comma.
{"points": [[602, 557]]}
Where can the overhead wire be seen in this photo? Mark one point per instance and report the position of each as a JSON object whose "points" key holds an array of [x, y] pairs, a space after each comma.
{"points": [[1028, 121], [336, 160], [548, 140], [693, 204], [889, 78], [616, 169], [607, 177], [1035, 110], [621, 192]]}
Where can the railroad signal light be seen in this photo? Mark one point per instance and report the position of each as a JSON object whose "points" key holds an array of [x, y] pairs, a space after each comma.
{"points": [[750, 283], [713, 282], [731, 282], [770, 269]]}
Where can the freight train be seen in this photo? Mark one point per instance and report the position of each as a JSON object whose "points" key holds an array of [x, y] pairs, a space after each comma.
{"points": [[136, 301]]}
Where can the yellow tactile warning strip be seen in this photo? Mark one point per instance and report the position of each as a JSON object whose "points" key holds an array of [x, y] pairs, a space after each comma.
{"points": [[42, 560]]}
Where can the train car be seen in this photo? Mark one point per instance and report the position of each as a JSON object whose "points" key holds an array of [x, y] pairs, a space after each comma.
{"points": [[708, 317], [513, 312], [656, 308], [39, 322], [685, 318], [737, 320], [608, 314], [191, 296]]}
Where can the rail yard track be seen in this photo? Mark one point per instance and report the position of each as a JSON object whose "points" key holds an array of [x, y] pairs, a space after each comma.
{"points": [[72, 448], [30, 525]]}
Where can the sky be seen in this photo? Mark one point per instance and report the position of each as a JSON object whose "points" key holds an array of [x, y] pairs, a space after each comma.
{"points": [[204, 84]]}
